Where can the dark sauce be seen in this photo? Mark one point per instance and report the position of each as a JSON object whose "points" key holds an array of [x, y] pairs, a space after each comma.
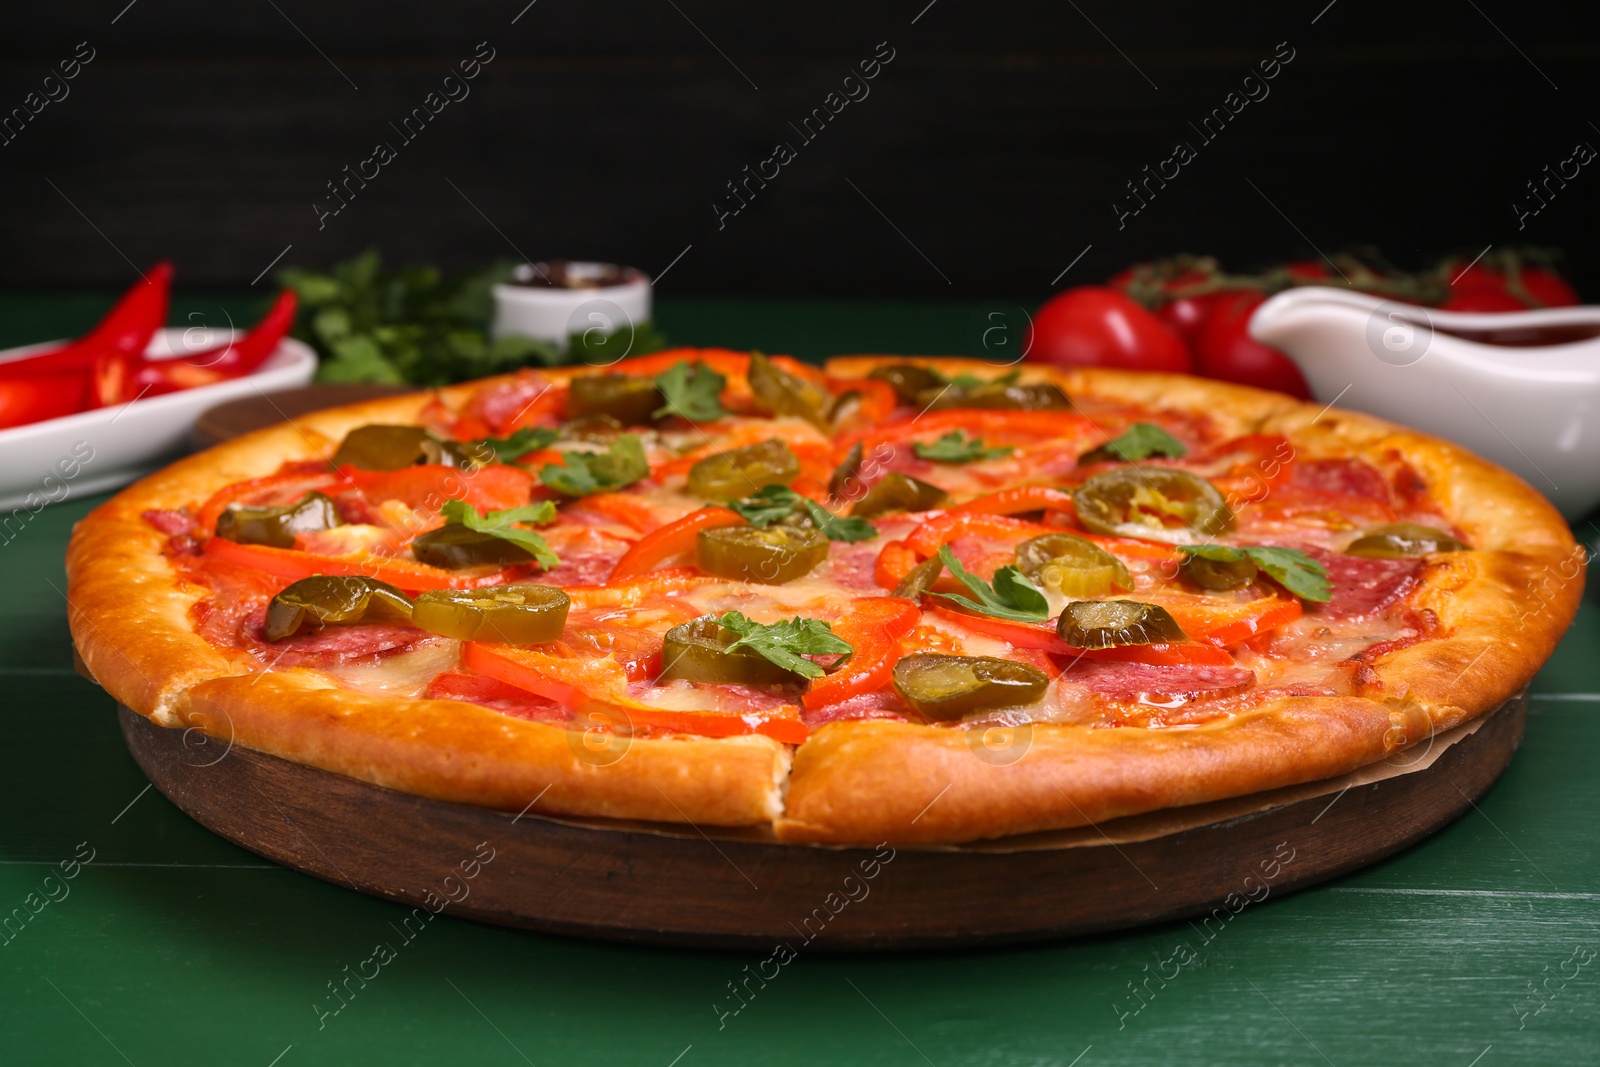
{"points": [[1526, 336], [569, 274]]}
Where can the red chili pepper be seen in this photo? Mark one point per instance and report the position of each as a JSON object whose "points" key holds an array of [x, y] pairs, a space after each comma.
{"points": [[240, 356], [126, 330]]}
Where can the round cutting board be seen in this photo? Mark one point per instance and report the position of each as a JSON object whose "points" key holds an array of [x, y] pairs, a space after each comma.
{"points": [[730, 889]]}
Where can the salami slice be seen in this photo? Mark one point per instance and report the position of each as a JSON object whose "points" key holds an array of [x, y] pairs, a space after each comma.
{"points": [[1350, 477], [334, 646], [1364, 586], [1159, 685]]}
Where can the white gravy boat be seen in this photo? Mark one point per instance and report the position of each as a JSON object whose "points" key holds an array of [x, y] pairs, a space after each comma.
{"points": [[1521, 389]]}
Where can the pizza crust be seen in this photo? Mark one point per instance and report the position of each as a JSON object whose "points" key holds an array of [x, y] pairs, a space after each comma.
{"points": [[1503, 608]]}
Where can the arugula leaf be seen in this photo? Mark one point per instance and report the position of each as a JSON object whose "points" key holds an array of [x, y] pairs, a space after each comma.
{"points": [[957, 447], [1012, 596], [1289, 567], [786, 643], [692, 391], [520, 443], [1139, 441], [596, 472], [500, 524], [773, 503]]}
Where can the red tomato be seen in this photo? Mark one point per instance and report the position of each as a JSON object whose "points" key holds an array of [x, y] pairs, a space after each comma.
{"points": [[1187, 315], [1484, 299], [1225, 350], [1548, 287], [1094, 327], [1482, 288], [1309, 271]]}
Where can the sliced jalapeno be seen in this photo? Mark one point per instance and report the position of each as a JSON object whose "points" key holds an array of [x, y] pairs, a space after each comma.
{"points": [[391, 448], [508, 614], [789, 394], [844, 406], [1218, 574], [735, 475], [942, 688], [1071, 565], [780, 553], [1014, 396], [845, 482], [1402, 540], [908, 380], [332, 600], [276, 526], [1110, 623], [601, 429], [1157, 503], [695, 651], [455, 546], [898, 492], [919, 578], [623, 397]]}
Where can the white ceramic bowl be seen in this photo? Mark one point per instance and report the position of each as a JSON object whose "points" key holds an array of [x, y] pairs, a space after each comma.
{"points": [[1532, 408], [554, 314], [51, 461]]}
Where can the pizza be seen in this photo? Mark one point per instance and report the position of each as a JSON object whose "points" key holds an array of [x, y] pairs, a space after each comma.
{"points": [[918, 600]]}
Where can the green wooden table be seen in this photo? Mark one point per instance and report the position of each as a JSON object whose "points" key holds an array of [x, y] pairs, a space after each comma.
{"points": [[171, 946]]}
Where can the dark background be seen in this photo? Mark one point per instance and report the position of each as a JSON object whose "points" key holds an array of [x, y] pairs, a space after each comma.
{"points": [[995, 141]]}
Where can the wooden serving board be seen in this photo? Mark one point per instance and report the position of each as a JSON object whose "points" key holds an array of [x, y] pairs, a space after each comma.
{"points": [[728, 889]]}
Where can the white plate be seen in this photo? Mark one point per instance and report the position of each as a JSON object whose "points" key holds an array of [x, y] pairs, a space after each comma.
{"points": [[58, 459]]}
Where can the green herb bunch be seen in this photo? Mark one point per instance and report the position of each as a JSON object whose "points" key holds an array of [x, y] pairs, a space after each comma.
{"points": [[420, 326]]}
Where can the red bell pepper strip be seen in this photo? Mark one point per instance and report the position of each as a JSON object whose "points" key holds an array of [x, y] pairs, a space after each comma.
{"points": [[626, 592], [989, 424], [873, 627], [294, 565], [926, 539], [626, 509], [673, 539], [575, 682], [1018, 500], [284, 487], [894, 562], [1224, 625]]}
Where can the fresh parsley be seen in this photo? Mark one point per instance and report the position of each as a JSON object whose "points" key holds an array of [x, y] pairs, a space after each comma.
{"points": [[787, 642], [692, 391], [520, 443], [1011, 596], [501, 524], [620, 465], [1289, 567], [957, 447], [1139, 441], [773, 503], [425, 327], [767, 505]]}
